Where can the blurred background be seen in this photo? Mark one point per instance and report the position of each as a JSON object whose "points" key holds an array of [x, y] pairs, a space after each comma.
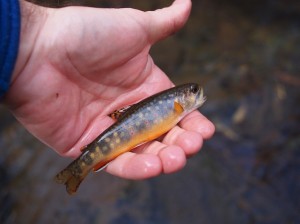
{"points": [[247, 56]]}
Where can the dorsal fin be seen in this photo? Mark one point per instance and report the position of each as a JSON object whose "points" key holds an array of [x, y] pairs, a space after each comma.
{"points": [[117, 114], [83, 148]]}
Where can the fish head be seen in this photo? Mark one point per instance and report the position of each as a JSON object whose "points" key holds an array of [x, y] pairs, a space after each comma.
{"points": [[191, 97]]}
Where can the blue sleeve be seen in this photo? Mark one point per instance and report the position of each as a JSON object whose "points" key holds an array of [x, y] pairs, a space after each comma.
{"points": [[9, 40]]}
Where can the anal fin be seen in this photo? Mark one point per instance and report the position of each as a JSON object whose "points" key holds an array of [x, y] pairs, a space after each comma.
{"points": [[100, 166]]}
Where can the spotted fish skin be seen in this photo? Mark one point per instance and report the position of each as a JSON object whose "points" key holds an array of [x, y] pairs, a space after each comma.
{"points": [[140, 123]]}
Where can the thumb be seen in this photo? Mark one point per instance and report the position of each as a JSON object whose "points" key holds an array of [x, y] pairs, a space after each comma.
{"points": [[166, 21]]}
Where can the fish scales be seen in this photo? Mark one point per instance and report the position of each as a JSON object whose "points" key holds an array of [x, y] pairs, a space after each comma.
{"points": [[140, 123]]}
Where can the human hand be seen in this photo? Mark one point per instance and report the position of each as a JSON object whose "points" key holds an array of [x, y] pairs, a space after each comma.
{"points": [[78, 64]]}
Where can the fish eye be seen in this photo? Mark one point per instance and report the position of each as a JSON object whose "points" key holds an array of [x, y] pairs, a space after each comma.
{"points": [[194, 89]]}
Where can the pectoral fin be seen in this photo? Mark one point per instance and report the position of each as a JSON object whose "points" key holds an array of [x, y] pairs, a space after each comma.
{"points": [[178, 108]]}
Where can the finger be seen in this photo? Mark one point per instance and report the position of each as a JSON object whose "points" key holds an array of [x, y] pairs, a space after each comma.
{"points": [[190, 141], [135, 166], [131, 165], [172, 157], [196, 122], [166, 21]]}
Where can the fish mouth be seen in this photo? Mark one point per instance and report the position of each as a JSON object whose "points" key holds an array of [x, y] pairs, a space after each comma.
{"points": [[200, 97]]}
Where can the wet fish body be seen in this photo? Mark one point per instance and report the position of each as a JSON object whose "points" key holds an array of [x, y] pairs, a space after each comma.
{"points": [[140, 123]]}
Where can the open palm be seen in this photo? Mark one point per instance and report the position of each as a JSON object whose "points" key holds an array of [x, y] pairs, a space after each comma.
{"points": [[83, 64]]}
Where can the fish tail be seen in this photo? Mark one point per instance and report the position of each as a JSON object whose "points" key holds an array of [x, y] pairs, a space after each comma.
{"points": [[70, 179]]}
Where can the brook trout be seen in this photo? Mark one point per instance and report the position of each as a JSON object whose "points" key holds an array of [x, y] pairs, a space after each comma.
{"points": [[135, 125]]}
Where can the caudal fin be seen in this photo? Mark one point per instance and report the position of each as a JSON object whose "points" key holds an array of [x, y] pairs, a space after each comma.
{"points": [[68, 178]]}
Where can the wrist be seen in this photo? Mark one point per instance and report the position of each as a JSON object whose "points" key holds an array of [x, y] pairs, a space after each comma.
{"points": [[9, 41], [32, 18]]}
